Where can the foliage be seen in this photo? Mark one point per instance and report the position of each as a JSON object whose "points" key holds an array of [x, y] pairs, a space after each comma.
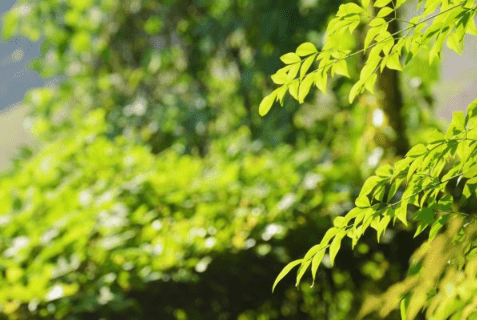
{"points": [[159, 68], [452, 22], [434, 182]]}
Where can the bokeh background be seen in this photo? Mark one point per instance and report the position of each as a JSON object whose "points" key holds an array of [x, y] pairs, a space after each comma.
{"points": [[139, 181]]}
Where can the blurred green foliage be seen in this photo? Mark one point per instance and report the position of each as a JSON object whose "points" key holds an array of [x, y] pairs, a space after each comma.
{"points": [[159, 192]]}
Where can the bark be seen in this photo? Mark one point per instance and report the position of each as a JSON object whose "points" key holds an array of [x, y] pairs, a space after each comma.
{"points": [[390, 100]]}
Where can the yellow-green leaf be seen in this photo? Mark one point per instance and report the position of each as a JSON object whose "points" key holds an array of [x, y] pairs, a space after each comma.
{"points": [[306, 65], [305, 87], [285, 271], [342, 68], [290, 58], [384, 12], [321, 79], [336, 244], [294, 89], [381, 3], [302, 270], [266, 103], [316, 262], [393, 62], [306, 49], [355, 90]]}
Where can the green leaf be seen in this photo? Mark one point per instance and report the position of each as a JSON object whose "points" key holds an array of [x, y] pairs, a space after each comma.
{"points": [[285, 271], [315, 263], [416, 151], [294, 89], [294, 68], [306, 49], [370, 82], [401, 212], [436, 137], [362, 202], [328, 235], [394, 187], [383, 225], [436, 226], [372, 33], [290, 58], [306, 65], [316, 248], [336, 244], [321, 79], [305, 87], [266, 103], [369, 185], [458, 120], [404, 306], [384, 171], [341, 68], [338, 222], [355, 90], [393, 62], [281, 92], [384, 12], [280, 78], [302, 270], [349, 9], [381, 3]]}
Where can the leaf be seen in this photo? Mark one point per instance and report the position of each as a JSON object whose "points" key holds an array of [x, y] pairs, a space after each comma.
{"points": [[383, 225], [336, 244], [321, 80], [436, 226], [285, 271], [384, 12], [362, 202], [404, 306], [341, 68], [328, 235], [294, 89], [393, 62], [280, 78], [306, 65], [290, 58], [306, 49], [381, 3], [281, 92], [294, 68], [315, 263], [394, 187], [338, 222], [436, 137], [416, 151], [401, 212], [349, 9], [370, 82], [305, 87], [372, 33], [470, 27], [384, 171], [315, 249], [302, 270], [266, 103], [369, 185], [458, 120], [355, 90]]}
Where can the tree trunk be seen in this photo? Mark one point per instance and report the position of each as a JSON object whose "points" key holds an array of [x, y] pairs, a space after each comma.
{"points": [[390, 100]]}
